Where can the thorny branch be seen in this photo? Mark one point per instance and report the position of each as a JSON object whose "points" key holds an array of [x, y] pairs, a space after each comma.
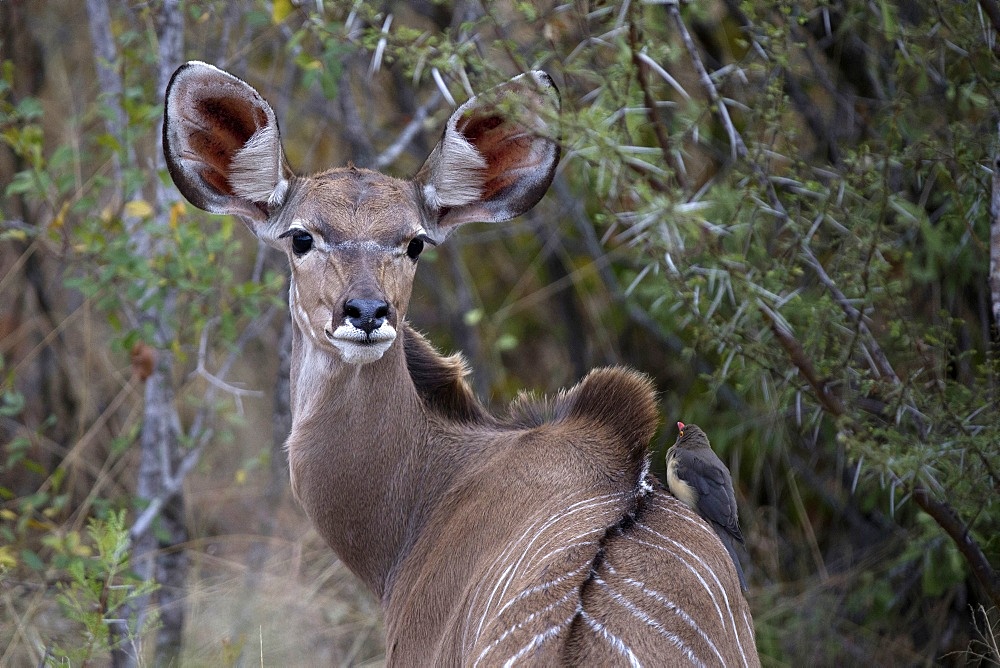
{"points": [[831, 402], [737, 148], [940, 511], [995, 240], [952, 524], [642, 72]]}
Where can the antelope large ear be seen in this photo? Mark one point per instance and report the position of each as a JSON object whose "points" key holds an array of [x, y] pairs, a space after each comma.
{"points": [[497, 156], [222, 144]]}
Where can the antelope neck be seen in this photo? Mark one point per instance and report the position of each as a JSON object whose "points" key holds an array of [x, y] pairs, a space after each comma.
{"points": [[360, 456]]}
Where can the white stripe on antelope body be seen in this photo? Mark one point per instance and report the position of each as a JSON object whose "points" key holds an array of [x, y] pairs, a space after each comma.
{"points": [[534, 538]]}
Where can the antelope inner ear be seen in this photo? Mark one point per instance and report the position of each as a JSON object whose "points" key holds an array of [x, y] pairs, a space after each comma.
{"points": [[497, 156], [222, 144]]}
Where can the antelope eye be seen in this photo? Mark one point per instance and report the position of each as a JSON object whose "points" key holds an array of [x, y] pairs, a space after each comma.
{"points": [[415, 248], [302, 243]]}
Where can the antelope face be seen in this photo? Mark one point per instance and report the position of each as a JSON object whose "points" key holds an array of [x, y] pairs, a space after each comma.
{"points": [[352, 239], [353, 236]]}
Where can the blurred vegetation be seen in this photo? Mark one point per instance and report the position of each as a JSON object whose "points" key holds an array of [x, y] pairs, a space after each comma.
{"points": [[780, 211]]}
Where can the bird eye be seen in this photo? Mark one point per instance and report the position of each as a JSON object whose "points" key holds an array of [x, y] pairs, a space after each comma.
{"points": [[302, 242], [415, 248]]}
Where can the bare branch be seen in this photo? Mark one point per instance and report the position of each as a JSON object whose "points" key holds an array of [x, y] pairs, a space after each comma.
{"points": [[642, 65], [202, 369], [412, 129], [952, 524], [995, 240], [738, 149], [831, 402], [879, 359]]}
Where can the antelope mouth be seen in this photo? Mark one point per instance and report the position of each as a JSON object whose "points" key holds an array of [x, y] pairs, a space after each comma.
{"points": [[358, 346]]}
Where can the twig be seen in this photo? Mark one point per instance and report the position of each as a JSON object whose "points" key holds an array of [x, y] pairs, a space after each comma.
{"points": [[642, 65], [995, 240], [878, 356], [218, 382], [797, 355], [951, 523], [416, 124], [249, 333], [992, 10], [737, 148]]}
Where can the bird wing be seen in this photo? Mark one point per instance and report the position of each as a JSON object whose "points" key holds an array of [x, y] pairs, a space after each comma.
{"points": [[716, 499]]}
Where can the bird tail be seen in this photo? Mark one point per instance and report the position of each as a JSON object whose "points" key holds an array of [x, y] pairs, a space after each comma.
{"points": [[727, 541]]}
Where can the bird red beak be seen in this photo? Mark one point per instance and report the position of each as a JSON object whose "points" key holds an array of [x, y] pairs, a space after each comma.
{"points": [[680, 428]]}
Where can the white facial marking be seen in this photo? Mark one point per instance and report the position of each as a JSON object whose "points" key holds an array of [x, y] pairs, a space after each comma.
{"points": [[357, 347], [367, 245], [299, 313]]}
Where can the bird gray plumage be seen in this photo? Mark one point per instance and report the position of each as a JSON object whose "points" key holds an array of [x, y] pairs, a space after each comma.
{"points": [[697, 476]]}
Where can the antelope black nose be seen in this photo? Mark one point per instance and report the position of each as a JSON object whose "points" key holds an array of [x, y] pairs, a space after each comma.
{"points": [[366, 314]]}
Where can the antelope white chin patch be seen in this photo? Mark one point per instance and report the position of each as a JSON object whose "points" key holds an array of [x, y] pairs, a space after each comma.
{"points": [[357, 347]]}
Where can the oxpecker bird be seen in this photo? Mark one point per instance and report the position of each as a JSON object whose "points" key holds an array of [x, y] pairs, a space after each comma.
{"points": [[697, 476]]}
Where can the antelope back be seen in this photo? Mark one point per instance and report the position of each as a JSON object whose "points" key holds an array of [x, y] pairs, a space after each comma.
{"points": [[559, 548], [353, 236]]}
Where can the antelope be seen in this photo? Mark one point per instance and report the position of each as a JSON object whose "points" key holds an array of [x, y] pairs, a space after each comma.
{"points": [[537, 537]]}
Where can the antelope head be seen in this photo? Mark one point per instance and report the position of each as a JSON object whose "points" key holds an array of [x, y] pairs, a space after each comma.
{"points": [[353, 236]]}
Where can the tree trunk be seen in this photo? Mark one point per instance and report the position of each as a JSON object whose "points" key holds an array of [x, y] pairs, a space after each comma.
{"points": [[155, 555]]}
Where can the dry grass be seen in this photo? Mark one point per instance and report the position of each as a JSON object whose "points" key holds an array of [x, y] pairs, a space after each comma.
{"points": [[299, 607]]}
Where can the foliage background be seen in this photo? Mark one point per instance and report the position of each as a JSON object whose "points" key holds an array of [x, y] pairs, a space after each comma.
{"points": [[780, 211]]}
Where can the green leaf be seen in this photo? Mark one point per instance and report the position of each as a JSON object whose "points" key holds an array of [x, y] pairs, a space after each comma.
{"points": [[32, 560]]}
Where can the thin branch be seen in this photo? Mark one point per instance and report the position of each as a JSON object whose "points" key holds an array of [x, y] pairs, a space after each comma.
{"points": [[642, 66], [952, 524], [412, 129], [249, 333], [992, 10], [202, 369], [737, 148], [878, 356], [797, 356], [995, 240]]}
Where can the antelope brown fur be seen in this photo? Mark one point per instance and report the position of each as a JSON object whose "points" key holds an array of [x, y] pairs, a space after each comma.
{"points": [[536, 538]]}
